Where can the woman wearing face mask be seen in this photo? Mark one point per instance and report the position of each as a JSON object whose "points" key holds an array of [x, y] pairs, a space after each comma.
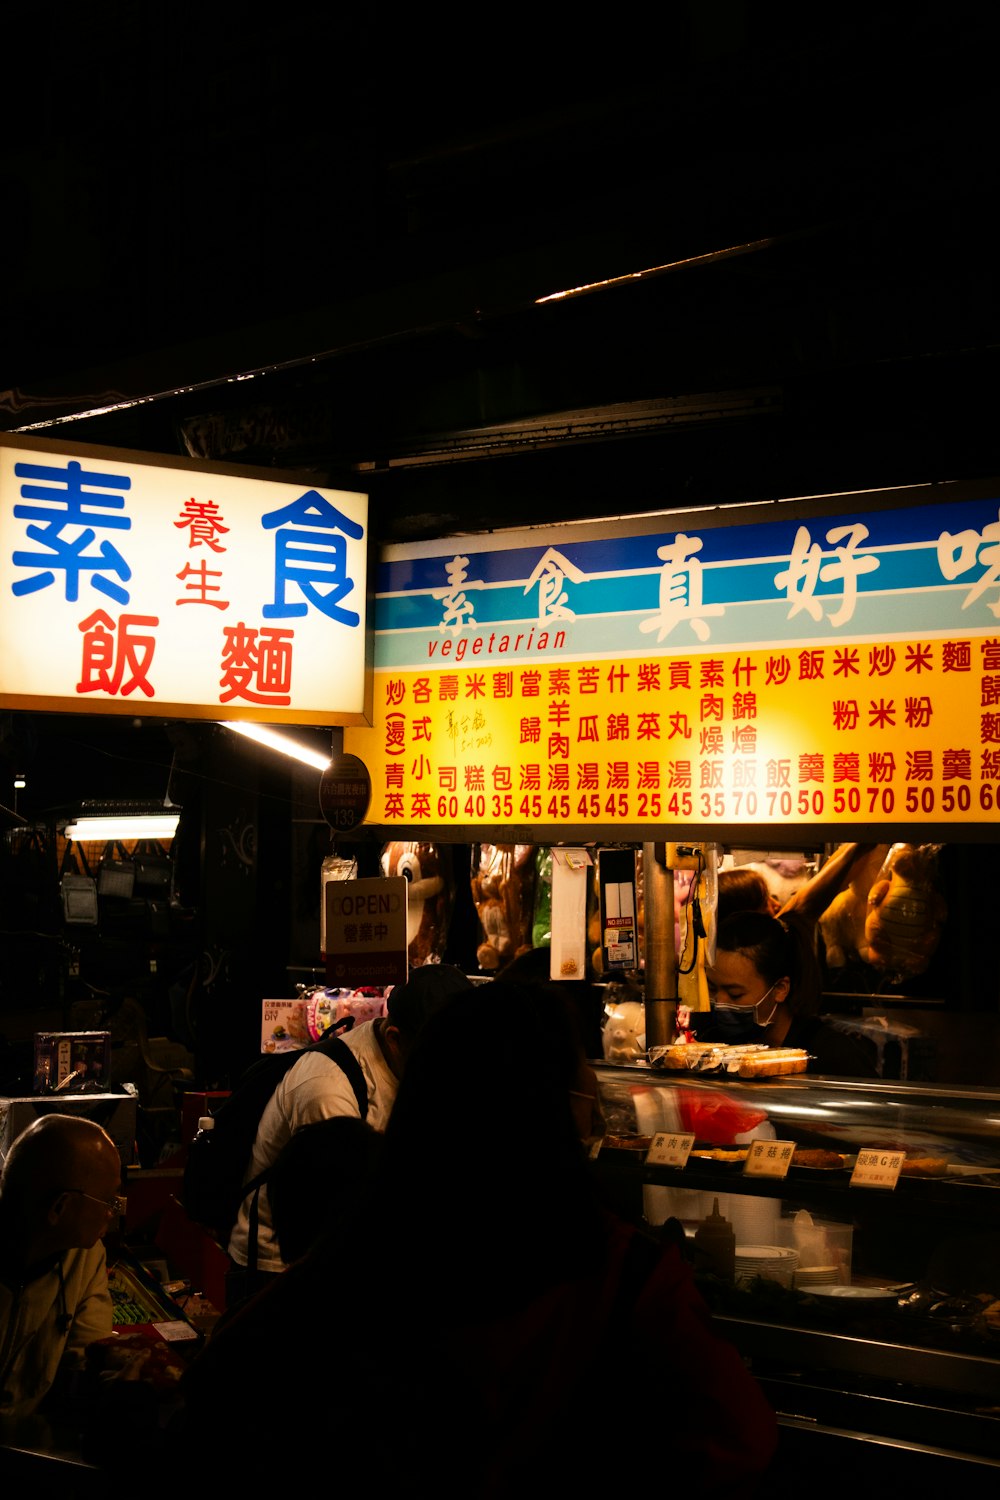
{"points": [[764, 986]]}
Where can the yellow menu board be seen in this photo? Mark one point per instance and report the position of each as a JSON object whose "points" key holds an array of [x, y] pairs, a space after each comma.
{"points": [[794, 674]]}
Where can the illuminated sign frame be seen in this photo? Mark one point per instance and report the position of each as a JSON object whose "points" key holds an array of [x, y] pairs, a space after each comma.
{"points": [[803, 666], [177, 589]]}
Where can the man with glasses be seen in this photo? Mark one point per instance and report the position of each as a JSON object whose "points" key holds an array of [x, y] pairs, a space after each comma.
{"points": [[59, 1190]]}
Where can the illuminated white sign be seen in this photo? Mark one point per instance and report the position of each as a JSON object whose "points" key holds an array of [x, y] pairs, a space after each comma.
{"points": [[178, 590]]}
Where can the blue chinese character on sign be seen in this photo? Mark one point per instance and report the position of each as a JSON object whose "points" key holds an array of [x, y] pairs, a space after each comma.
{"points": [[65, 498], [309, 559]]}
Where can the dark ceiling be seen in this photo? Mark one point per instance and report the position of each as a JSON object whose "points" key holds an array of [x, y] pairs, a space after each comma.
{"points": [[319, 242]]}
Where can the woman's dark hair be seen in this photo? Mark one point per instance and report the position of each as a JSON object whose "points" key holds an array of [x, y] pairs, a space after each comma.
{"points": [[319, 1179], [482, 1158], [778, 947], [742, 890]]}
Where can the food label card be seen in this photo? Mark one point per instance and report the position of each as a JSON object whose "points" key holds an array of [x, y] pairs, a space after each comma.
{"points": [[768, 1158], [877, 1168], [669, 1148]]}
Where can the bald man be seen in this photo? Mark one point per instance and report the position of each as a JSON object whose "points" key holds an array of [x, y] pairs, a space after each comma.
{"points": [[58, 1193]]}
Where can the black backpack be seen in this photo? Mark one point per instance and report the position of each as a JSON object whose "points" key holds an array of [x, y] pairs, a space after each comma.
{"points": [[218, 1158]]}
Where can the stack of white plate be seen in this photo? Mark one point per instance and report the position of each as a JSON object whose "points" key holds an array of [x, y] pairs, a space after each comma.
{"points": [[772, 1262], [807, 1276]]}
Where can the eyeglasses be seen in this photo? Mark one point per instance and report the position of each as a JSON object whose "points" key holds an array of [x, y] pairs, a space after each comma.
{"points": [[113, 1207]]}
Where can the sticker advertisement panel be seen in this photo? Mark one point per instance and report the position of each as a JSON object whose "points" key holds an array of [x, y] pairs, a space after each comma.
{"points": [[810, 670], [172, 589]]}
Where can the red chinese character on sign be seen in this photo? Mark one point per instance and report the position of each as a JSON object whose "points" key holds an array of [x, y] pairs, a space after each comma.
{"points": [[586, 678], [956, 656], [811, 767], [882, 715], [845, 661], [530, 684], [586, 776], [779, 773], [559, 680], [956, 765], [917, 712], [881, 765], [846, 714], [257, 665], [448, 778], [648, 727], [503, 684], [201, 517], [531, 731], [503, 781], [395, 734], [777, 670], [558, 745], [648, 677], [919, 765], [531, 777], [847, 766], [198, 585], [587, 732], [920, 659], [422, 690], [107, 657], [395, 691], [559, 777], [881, 660], [811, 664], [648, 775], [744, 739], [990, 766]]}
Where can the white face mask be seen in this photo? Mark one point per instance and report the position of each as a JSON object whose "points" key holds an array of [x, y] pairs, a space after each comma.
{"points": [[759, 1020]]}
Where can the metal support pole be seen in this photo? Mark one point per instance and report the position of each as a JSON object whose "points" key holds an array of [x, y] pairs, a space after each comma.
{"points": [[661, 948]]}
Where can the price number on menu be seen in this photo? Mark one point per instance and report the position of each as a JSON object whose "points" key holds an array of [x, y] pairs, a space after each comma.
{"points": [[877, 1168], [768, 1158], [669, 1149]]}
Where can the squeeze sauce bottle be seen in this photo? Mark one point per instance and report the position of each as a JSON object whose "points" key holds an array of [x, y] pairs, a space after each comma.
{"points": [[715, 1239]]}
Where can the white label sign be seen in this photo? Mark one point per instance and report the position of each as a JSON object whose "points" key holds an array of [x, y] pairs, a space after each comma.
{"points": [[768, 1158], [875, 1168], [669, 1149]]}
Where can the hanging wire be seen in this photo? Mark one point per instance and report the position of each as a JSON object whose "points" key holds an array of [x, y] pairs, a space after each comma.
{"points": [[696, 926]]}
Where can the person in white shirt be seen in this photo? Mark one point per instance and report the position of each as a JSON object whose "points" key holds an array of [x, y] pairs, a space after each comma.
{"points": [[317, 1088]]}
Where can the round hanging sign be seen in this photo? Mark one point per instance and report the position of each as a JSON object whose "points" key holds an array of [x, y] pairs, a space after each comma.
{"points": [[345, 792]]}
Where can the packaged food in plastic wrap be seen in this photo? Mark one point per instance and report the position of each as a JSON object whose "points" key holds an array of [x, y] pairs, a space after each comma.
{"points": [[503, 890], [892, 914]]}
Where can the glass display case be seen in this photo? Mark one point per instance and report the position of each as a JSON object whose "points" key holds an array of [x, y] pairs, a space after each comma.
{"points": [[864, 1281]]}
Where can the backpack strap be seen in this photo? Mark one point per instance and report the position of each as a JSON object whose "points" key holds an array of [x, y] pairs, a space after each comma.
{"points": [[337, 1050]]}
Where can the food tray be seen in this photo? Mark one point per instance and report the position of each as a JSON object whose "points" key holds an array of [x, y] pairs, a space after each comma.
{"points": [[747, 1060]]}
